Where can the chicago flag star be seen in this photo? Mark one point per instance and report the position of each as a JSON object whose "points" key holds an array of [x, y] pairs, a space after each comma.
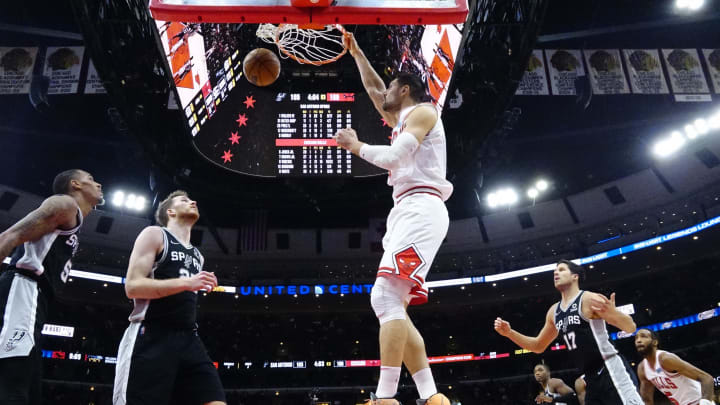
{"points": [[227, 156], [249, 102], [242, 120], [234, 138]]}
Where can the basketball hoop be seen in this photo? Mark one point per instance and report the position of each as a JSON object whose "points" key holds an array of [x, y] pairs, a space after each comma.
{"points": [[307, 44]]}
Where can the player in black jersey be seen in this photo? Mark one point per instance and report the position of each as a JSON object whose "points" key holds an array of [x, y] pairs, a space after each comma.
{"points": [[41, 246], [580, 317], [555, 391], [161, 357]]}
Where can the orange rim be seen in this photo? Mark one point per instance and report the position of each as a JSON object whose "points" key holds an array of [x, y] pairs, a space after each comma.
{"points": [[309, 62]]}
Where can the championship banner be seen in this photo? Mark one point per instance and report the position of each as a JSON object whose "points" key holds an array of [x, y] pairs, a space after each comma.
{"points": [[16, 68], [645, 70], [565, 66], [62, 66], [93, 83], [686, 74], [712, 60], [606, 72], [534, 81]]}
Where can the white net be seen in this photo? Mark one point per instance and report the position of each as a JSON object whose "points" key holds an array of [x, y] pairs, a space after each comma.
{"points": [[305, 45]]}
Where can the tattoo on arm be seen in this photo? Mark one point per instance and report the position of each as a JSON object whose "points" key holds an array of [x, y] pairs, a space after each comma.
{"points": [[52, 213]]}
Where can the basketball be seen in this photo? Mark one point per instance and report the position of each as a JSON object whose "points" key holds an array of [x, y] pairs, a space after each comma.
{"points": [[438, 399], [261, 67]]}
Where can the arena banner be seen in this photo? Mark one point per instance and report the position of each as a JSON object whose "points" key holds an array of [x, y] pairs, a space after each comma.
{"points": [[93, 83], [712, 61], [565, 65], [606, 71], [645, 71], [16, 69], [62, 66], [534, 81], [686, 74]]}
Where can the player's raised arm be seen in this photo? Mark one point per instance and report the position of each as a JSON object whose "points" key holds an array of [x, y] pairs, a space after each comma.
{"points": [[148, 245], [536, 344], [372, 82], [58, 211], [605, 308], [672, 362]]}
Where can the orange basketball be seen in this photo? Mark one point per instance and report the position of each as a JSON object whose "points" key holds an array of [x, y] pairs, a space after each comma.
{"points": [[261, 67], [438, 399]]}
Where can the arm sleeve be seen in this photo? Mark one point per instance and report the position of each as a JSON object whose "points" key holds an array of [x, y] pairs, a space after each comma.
{"points": [[389, 157]]}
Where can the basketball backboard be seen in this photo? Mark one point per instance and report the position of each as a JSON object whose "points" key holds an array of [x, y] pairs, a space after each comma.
{"points": [[421, 12]]}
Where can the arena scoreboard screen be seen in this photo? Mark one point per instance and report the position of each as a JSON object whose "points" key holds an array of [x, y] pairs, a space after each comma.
{"points": [[285, 129]]}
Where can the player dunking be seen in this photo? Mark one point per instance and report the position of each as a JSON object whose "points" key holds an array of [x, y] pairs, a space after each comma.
{"points": [[680, 381], [42, 245], [416, 226], [580, 316], [161, 356], [554, 391]]}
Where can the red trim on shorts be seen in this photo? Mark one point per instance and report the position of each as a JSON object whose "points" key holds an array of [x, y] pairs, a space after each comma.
{"points": [[418, 293], [405, 193]]}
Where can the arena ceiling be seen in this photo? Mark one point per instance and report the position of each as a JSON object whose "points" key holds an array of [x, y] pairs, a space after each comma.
{"points": [[574, 142]]}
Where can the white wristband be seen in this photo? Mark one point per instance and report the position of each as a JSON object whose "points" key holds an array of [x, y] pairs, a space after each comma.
{"points": [[706, 402]]}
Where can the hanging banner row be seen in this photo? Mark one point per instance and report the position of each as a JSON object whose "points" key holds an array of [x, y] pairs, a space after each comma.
{"points": [[604, 68], [63, 65]]}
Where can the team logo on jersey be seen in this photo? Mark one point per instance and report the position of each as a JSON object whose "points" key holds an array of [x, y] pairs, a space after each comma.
{"points": [[574, 307], [17, 336], [188, 261]]}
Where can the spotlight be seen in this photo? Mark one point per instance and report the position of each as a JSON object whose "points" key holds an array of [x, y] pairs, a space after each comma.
{"points": [[701, 126], [532, 193], [118, 198], [690, 131], [541, 185]]}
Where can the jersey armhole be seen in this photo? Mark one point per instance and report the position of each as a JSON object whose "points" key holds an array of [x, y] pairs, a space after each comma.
{"points": [[580, 307], [163, 254]]}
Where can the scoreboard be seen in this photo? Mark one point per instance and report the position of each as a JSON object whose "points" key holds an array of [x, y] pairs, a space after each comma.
{"points": [[305, 128], [289, 134]]}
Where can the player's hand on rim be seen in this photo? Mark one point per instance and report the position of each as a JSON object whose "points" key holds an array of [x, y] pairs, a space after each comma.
{"points": [[350, 43], [203, 280], [502, 327]]}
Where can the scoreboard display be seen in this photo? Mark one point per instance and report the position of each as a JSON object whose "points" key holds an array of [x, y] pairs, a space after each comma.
{"points": [[276, 134]]}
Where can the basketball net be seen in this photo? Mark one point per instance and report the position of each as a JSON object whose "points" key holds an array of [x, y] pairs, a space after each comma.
{"points": [[307, 44]]}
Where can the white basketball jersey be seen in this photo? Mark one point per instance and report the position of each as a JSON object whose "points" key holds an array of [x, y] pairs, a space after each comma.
{"points": [[678, 388], [424, 171]]}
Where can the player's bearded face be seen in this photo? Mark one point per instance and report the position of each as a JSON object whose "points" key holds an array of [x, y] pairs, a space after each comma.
{"points": [[392, 98], [562, 276], [186, 209], [643, 342]]}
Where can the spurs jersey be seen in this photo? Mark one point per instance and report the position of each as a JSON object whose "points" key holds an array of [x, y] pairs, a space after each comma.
{"points": [[48, 259], [424, 171], [679, 389], [587, 340], [178, 310]]}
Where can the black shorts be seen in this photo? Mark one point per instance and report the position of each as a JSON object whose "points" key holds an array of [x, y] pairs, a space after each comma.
{"points": [[162, 366], [613, 384], [20, 355]]}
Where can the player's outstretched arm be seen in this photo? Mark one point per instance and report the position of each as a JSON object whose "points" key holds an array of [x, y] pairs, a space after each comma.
{"points": [[673, 363], [372, 82], [55, 212], [605, 308], [646, 387], [536, 344], [138, 283]]}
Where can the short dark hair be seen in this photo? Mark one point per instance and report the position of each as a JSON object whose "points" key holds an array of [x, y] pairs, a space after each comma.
{"points": [[574, 268], [654, 335], [161, 215], [542, 365], [415, 83], [61, 183]]}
